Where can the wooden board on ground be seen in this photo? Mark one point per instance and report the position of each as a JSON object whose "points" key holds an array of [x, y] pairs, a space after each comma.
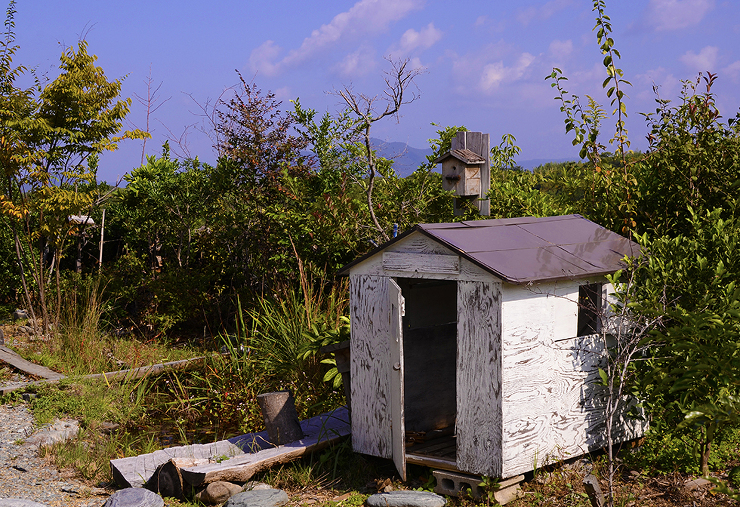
{"points": [[319, 431], [201, 462], [135, 471], [13, 359], [112, 376]]}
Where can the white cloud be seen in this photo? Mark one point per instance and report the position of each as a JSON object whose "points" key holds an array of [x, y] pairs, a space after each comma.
{"points": [[493, 74], [358, 63], [706, 60], [412, 40], [733, 70], [490, 76], [262, 58], [669, 86], [549, 9], [561, 49], [677, 14], [364, 18], [416, 64]]}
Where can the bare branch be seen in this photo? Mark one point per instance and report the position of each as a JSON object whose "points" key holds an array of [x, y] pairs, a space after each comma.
{"points": [[398, 80]]}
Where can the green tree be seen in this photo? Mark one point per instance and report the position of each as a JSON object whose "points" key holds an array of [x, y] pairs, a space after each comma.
{"points": [[689, 282], [53, 137]]}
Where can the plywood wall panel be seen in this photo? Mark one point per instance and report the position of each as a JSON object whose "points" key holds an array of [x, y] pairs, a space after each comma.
{"points": [[552, 405], [479, 423]]}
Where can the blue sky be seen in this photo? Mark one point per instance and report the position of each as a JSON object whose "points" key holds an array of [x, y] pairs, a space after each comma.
{"points": [[484, 61]]}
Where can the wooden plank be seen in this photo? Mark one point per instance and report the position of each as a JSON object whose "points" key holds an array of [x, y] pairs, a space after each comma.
{"points": [[398, 423], [131, 374], [16, 361], [370, 366], [432, 462], [421, 263], [135, 471], [320, 432], [479, 408], [421, 244], [418, 243], [430, 447]]}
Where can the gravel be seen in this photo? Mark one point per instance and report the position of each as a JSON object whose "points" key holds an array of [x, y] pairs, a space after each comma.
{"points": [[23, 474]]}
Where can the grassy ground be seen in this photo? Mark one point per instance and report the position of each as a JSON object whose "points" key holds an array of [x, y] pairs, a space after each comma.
{"points": [[267, 353]]}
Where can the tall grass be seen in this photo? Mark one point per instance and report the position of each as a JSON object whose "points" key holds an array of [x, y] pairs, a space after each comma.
{"points": [[81, 345], [282, 329], [265, 355]]}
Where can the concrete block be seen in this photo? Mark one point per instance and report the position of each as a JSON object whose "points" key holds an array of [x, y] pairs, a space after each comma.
{"points": [[454, 483]]}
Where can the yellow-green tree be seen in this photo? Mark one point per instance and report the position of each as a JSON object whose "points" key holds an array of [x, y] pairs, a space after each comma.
{"points": [[52, 136]]}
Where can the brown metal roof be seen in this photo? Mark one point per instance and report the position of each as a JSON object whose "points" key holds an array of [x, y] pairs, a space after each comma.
{"points": [[530, 249], [466, 156]]}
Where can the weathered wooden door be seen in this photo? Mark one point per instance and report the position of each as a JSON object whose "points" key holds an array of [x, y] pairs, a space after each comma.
{"points": [[396, 307], [479, 405]]}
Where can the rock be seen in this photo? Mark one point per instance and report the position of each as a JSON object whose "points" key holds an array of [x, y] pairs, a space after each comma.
{"points": [[108, 427], [259, 498], [19, 502], [134, 497], [696, 483], [255, 485], [218, 492], [2, 336], [19, 314], [26, 330], [59, 431], [405, 499]]}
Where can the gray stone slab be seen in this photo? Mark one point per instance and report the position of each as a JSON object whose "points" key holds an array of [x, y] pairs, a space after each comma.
{"points": [[59, 431], [134, 497], [405, 499], [19, 502], [258, 498]]}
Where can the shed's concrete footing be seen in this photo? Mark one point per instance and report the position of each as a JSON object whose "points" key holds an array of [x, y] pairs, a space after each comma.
{"points": [[457, 484]]}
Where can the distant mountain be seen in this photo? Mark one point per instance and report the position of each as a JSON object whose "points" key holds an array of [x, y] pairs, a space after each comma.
{"points": [[536, 162], [407, 159]]}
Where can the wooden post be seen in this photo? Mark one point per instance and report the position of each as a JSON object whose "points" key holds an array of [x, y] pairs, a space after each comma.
{"points": [[280, 416], [479, 143], [102, 230]]}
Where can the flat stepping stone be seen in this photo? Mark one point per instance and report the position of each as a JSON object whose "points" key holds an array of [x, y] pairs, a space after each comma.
{"points": [[19, 502], [405, 499], [258, 498], [134, 497]]}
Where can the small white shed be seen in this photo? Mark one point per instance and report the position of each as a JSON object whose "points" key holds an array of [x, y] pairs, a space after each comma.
{"points": [[470, 351]]}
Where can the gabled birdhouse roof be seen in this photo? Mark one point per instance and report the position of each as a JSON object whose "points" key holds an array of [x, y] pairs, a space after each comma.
{"points": [[465, 156], [529, 249]]}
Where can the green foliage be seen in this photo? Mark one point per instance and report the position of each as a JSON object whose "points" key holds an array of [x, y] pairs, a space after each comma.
{"points": [[690, 282], [52, 137], [321, 336], [692, 164], [666, 450]]}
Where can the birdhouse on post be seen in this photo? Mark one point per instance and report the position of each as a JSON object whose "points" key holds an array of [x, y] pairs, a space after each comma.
{"points": [[466, 171]]}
